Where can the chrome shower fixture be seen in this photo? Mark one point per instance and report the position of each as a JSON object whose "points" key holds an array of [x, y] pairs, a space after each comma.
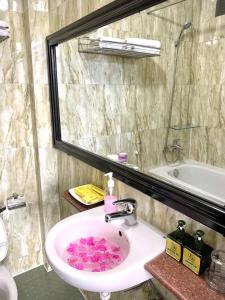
{"points": [[186, 25]]}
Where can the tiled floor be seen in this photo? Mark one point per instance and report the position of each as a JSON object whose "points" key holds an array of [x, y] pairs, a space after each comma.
{"points": [[37, 284]]}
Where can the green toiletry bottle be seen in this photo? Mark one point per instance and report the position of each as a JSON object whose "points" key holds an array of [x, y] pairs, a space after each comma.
{"points": [[175, 241], [197, 254]]}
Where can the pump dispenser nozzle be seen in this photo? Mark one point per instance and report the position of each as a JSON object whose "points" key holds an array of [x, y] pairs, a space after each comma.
{"points": [[110, 197], [110, 183]]}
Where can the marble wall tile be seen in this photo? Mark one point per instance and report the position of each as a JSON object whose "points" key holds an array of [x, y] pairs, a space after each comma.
{"points": [[18, 175], [37, 19], [74, 173], [13, 51], [11, 6], [215, 150], [84, 108], [38, 29], [85, 68], [151, 107], [165, 23], [37, 5], [205, 105], [43, 116], [15, 116], [198, 144], [49, 187], [207, 26], [208, 62], [222, 106]]}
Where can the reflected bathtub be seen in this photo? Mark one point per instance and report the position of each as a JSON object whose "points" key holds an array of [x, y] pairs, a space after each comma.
{"points": [[197, 178]]}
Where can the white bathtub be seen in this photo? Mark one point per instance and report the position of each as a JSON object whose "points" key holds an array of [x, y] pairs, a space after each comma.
{"points": [[197, 178]]}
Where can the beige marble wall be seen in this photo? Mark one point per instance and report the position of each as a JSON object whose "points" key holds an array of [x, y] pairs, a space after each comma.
{"points": [[37, 18], [28, 163], [207, 85], [17, 145]]}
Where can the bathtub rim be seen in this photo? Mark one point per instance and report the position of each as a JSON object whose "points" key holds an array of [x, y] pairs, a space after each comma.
{"points": [[161, 173]]}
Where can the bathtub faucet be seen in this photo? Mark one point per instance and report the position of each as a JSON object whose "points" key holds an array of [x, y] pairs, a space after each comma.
{"points": [[175, 146], [128, 212]]}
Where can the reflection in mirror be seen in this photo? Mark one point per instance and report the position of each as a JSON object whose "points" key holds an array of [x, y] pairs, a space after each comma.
{"points": [[150, 85]]}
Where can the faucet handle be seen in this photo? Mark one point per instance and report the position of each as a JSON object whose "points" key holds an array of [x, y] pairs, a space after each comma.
{"points": [[129, 204]]}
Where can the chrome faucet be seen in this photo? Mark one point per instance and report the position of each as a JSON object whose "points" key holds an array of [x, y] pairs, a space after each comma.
{"points": [[175, 146], [128, 212]]}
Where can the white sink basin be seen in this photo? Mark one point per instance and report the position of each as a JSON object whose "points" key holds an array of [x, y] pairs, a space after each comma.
{"points": [[139, 244]]}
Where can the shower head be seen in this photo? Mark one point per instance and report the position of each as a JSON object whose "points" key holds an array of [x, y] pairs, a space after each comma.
{"points": [[186, 25]]}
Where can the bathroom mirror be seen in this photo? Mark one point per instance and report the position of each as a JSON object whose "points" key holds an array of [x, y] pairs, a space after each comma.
{"points": [[157, 103]]}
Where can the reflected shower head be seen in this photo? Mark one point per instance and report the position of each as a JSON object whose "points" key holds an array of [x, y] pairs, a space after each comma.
{"points": [[186, 25]]}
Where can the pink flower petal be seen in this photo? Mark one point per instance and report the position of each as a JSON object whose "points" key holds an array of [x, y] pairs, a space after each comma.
{"points": [[79, 266], [83, 241]]}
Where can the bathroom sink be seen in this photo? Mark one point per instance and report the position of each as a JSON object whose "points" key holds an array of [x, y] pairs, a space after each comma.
{"points": [[138, 245]]}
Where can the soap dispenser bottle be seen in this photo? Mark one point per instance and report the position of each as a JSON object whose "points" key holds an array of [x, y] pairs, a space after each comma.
{"points": [[109, 207], [197, 254], [175, 241]]}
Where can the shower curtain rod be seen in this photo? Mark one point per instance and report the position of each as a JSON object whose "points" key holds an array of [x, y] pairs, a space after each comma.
{"points": [[165, 6]]}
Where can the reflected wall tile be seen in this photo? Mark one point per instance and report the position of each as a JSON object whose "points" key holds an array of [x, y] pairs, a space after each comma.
{"points": [[151, 148], [82, 111], [15, 116], [133, 67], [216, 154], [105, 145], [128, 145], [87, 68], [222, 107], [208, 27], [184, 61], [181, 103], [168, 22], [127, 108], [205, 105], [152, 105], [85, 143], [199, 144], [208, 62], [112, 109]]}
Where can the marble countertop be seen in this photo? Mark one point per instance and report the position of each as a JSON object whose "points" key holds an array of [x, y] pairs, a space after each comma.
{"points": [[179, 280]]}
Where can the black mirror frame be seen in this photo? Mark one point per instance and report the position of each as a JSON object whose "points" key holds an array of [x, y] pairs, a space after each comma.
{"points": [[199, 209]]}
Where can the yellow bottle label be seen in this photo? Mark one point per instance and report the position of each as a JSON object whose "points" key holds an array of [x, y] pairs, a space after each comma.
{"points": [[173, 249], [191, 261]]}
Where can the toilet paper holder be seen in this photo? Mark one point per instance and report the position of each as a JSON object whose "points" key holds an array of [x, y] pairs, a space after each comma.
{"points": [[15, 201]]}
